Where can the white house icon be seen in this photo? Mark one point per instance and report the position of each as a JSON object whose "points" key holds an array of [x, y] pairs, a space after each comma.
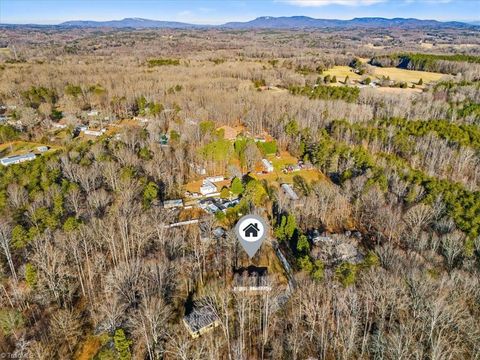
{"points": [[251, 230]]}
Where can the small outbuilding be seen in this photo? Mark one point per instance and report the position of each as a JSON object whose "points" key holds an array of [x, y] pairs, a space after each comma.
{"points": [[289, 192], [95, 132], [214, 179], [200, 320], [268, 166], [170, 204]]}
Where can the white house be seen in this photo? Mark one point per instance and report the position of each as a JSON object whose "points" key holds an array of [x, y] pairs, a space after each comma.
{"points": [[207, 188], [95, 132], [267, 165], [288, 190], [169, 204], [59, 125], [17, 159], [215, 179]]}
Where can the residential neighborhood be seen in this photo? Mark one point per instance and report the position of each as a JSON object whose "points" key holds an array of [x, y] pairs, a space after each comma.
{"points": [[240, 180]]}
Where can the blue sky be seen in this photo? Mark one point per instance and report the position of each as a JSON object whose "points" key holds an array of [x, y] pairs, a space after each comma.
{"points": [[221, 11]]}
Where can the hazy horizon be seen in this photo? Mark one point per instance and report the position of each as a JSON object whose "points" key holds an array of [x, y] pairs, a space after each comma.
{"points": [[209, 12]]}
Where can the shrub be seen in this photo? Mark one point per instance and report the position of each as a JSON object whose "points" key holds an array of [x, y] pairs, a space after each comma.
{"points": [[225, 193], [150, 193], [237, 186], [318, 270], [30, 275], [8, 133], [259, 83], [305, 264], [122, 345], [303, 246], [346, 273], [163, 62], [10, 321]]}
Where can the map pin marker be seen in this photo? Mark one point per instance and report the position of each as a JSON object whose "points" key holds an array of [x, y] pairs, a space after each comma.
{"points": [[251, 230]]}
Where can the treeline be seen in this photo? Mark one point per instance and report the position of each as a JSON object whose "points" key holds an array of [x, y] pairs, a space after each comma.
{"points": [[462, 134], [30, 180], [424, 62], [438, 147], [461, 204], [318, 91], [35, 96], [466, 135], [8, 133]]}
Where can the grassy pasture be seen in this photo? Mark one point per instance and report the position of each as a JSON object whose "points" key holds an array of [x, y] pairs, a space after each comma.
{"points": [[21, 147], [341, 72], [395, 74], [5, 51], [409, 76]]}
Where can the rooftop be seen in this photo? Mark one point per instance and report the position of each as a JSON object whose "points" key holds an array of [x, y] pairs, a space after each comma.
{"points": [[251, 278], [288, 189], [200, 317], [16, 159]]}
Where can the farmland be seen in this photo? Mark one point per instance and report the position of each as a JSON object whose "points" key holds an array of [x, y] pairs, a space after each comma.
{"points": [[411, 77]]}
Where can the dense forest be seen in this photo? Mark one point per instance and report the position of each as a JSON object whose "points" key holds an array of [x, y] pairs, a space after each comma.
{"points": [[95, 264]]}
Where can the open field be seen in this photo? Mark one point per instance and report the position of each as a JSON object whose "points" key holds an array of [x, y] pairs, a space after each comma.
{"points": [[282, 160], [22, 147], [409, 76], [341, 72], [278, 178], [5, 51], [429, 46]]}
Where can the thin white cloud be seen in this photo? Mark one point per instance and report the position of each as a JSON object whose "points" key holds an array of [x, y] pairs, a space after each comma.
{"points": [[318, 3]]}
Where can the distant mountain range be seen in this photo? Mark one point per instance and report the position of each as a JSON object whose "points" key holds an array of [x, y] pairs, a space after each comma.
{"points": [[308, 22], [137, 23], [269, 22]]}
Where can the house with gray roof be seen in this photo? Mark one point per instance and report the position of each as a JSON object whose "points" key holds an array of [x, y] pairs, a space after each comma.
{"points": [[200, 320], [6, 161]]}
